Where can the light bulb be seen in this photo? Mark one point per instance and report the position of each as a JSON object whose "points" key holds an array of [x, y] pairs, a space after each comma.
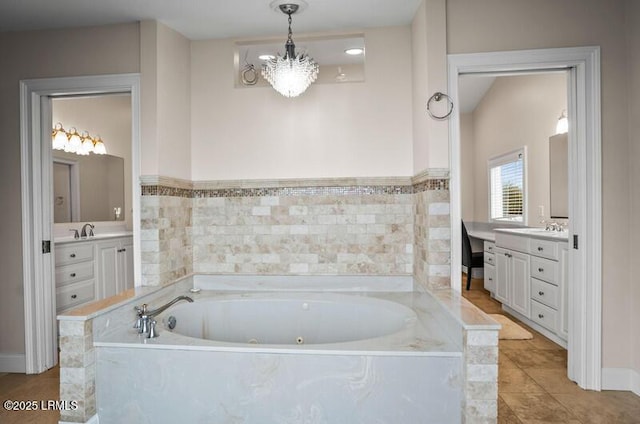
{"points": [[563, 124]]}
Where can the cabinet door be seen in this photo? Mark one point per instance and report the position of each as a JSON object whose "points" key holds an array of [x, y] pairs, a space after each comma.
{"points": [[108, 256], [490, 278], [126, 264], [520, 284], [502, 275]]}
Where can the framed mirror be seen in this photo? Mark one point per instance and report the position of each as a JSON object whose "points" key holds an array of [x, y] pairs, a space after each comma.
{"points": [[559, 175]]}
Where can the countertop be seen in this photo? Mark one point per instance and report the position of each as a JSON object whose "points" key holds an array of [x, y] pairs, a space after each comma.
{"points": [[538, 233], [100, 236]]}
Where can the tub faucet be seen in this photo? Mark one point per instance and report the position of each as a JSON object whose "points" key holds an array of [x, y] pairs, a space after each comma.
{"points": [[145, 322], [83, 233]]}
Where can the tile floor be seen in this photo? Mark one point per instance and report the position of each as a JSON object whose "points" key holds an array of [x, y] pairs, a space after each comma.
{"points": [[533, 387]]}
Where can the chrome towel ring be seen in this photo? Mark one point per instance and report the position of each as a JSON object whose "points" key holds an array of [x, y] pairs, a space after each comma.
{"points": [[437, 96]]}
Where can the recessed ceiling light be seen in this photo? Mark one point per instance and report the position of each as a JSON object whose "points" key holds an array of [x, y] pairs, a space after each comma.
{"points": [[266, 57], [354, 51]]}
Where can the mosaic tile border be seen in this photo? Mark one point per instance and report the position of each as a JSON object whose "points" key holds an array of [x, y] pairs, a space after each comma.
{"points": [[355, 190]]}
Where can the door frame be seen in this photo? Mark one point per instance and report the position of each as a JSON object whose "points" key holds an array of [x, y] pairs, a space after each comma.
{"points": [[37, 214], [585, 209]]}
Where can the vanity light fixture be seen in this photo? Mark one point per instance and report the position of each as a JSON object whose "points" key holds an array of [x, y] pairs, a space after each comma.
{"points": [[355, 51], [72, 142], [563, 123], [291, 74]]}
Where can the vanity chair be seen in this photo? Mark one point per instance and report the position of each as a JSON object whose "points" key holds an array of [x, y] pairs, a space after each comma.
{"points": [[470, 259]]}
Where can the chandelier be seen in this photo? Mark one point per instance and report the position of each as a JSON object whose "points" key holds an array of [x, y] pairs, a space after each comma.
{"points": [[290, 75], [72, 142]]}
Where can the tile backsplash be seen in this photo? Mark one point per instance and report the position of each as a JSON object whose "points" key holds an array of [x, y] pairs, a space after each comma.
{"points": [[392, 226]]}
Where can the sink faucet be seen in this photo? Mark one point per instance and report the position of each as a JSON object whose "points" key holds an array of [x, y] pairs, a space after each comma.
{"points": [[83, 233], [145, 322]]}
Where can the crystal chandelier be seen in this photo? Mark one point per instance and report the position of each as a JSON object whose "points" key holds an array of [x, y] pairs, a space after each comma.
{"points": [[290, 75]]}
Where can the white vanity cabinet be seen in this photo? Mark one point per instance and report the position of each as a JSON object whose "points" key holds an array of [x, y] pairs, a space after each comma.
{"points": [[531, 281], [489, 266], [92, 269], [512, 279], [115, 266], [75, 271]]}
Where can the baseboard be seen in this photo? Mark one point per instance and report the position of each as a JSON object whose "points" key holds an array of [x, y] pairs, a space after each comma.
{"points": [[621, 379], [13, 362]]}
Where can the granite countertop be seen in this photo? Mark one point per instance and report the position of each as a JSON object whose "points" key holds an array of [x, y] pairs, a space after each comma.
{"points": [[99, 236], [539, 233]]}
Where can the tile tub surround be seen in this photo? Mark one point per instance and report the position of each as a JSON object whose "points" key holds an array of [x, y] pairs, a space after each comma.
{"points": [[301, 227], [456, 318]]}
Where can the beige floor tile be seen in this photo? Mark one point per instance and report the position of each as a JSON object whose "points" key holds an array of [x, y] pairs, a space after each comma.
{"points": [[504, 361], [554, 380], [533, 358], [541, 407], [505, 414], [515, 380], [602, 407]]}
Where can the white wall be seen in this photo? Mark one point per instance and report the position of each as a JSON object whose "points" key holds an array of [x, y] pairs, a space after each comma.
{"points": [[110, 118], [429, 49], [332, 130], [165, 61], [495, 25], [517, 111], [39, 54]]}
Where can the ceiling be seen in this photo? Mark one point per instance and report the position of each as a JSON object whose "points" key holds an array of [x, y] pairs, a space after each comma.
{"points": [[207, 19]]}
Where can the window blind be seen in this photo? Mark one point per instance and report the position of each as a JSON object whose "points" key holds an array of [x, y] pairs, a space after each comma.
{"points": [[506, 187]]}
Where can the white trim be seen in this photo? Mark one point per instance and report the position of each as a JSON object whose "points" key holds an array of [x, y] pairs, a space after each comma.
{"points": [[585, 308], [37, 222], [12, 362], [621, 379]]}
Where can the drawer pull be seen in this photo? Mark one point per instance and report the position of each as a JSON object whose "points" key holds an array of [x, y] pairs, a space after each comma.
{"points": [[540, 249], [540, 269], [540, 316], [541, 293], [490, 279], [73, 255], [73, 274], [73, 296], [490, 249]]}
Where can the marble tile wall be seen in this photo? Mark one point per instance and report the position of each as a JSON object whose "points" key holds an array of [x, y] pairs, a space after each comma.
{"points": [[77, 370], [480, 370], [400, 228], [165, 244], [432, 239]]}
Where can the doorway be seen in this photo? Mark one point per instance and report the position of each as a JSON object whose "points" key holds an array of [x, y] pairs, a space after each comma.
{"points": [[583, 66], [37, 201]]}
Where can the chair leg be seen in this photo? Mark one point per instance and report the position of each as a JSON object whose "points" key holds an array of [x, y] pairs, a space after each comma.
{"points": [[469, 277]]}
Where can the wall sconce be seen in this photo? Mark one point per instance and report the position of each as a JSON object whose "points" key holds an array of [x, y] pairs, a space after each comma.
{"points": [[72, 142], [563, 123]]}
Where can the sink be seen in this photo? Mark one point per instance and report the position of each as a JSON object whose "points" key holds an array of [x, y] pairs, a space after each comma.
{"points": [[537, 232]]}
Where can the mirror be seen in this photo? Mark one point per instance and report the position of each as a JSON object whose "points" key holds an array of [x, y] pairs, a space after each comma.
{"points": [[87, 188], [559, 175], [94, 187], [336, 66]]}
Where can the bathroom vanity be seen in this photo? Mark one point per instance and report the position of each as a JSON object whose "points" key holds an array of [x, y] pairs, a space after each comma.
{"points": [[92, 269], [526, 269]]}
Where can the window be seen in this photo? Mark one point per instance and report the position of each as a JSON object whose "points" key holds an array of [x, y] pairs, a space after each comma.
{"points": [[507, 188]]}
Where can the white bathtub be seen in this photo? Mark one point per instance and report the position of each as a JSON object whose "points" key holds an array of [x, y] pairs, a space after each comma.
{"points": [[234, 357], [289, 318]]}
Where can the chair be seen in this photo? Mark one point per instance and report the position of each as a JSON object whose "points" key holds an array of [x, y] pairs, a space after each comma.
{"points": [[470, 259]]}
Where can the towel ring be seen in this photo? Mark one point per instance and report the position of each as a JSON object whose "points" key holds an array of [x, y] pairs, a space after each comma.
{"points": [[437, 96]]}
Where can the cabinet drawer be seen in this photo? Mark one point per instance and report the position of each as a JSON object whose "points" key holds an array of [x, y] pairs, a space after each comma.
{"points": [[545, 269], [545, 293], [489, 246], [544, 315], [68, 274], [489, 258], [511, 242], [543, 248], [74, 295], [74, 253], [490, 278]]}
